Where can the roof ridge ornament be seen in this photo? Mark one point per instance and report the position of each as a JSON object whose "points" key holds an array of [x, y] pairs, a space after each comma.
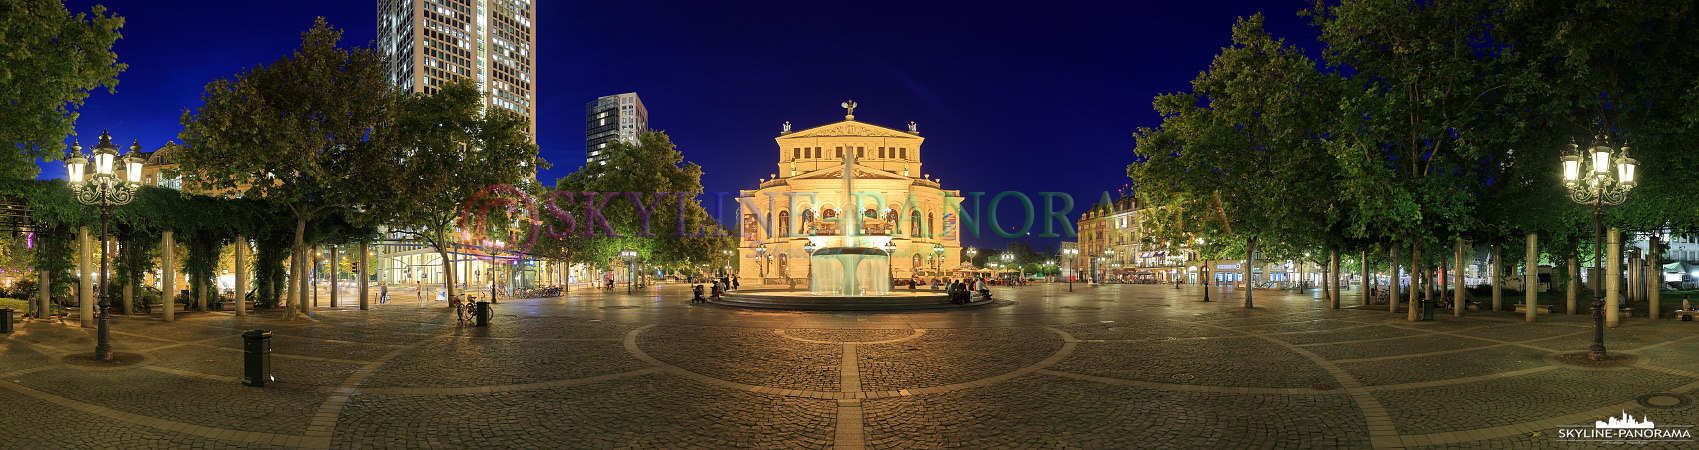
{"points": [[848, 105]]}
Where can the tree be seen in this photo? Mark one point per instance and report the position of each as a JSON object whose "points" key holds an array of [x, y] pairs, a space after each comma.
{"points": [[51, 60], [306, 132], [651, 170], [1243, 154], [454, 152]]}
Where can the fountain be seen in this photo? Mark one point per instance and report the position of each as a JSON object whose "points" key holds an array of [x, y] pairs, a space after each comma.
{"points": [[853, 274]]}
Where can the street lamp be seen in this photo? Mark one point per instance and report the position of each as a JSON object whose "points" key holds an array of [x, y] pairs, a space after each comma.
{"points": [[1073, 262], [1203, 270], [891, 262], [761, 259], [629, 256], [729, 260], [970, 256], [104, 190], [1599, 187], [809, 249], [937, 258]]}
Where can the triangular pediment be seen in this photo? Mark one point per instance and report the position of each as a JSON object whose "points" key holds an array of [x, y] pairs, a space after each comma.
{"points": [[861, 173], [849, 128]]}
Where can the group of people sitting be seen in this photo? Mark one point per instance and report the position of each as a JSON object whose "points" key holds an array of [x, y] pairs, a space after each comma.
{"points": [[960, 292]]}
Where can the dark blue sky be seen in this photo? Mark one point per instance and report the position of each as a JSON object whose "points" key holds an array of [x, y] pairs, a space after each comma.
{"points": [[1026, 96]]}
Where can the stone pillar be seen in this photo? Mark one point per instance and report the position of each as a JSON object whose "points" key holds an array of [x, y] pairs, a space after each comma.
{"points": [[1496, 261], [1457, 265], [365, 259], [312, 283], [1613, 277], [1394, 271], [334, 286], [85, 276], [46, 305], [168, 274], [1531, 277], [1574, 288], [1654, 277], [1631, 276], [241, 275], [1440, 280]]}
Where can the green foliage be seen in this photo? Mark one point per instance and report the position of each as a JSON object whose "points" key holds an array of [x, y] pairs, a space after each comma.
{"points": [[51, 60], [652, 168]]}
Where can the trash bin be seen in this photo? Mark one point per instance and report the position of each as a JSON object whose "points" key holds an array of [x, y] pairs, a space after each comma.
{"points": [[256, 357], [5, 320], [483, 314], [1427, 310]]}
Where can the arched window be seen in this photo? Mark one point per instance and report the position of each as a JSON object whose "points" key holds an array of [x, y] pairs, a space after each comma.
{"points": [[914, 225], [891, 216], [807, 219], [870, 213], [828, 213], [931, 225], [784, 223], [916, 264], [784, 265]]}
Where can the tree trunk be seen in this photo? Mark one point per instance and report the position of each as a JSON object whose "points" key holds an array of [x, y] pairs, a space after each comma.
{"points": [[1457, 282], [1417, 277], [1326, 284], [1531, 277], [1394, 273], [1496, 261], [298, 276], [1250, 261], [334, 271], [1333, 276], [365, 278], [1363, 267], [241, 275], [168, 272], [1574, 283]]}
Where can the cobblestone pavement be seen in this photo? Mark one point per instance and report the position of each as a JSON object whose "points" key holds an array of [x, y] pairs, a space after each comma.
{"points": [[1115, 367]]}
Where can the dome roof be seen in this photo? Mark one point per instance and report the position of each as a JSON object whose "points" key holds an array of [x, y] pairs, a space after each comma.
{"points": [[162, 156]]}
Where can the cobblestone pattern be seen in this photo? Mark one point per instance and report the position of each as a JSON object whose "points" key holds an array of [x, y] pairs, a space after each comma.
{"points": [[462, 362], [210, 361], [1520, 399], [307, 372], [202, 402], [341, 333], [1615, 339], [550, 328], [1395, 347], [1548, 438], [1143, 330], [1675, 355], [1444, 367], [32, 424], [653, 411], [1344, 335], [815, 334], [1209, 362], [1519, 332], [1054, 413], [309, 346], [754, 356], [18, 356], [944, 357]]}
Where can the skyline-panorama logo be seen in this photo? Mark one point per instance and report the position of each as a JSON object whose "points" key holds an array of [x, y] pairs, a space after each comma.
{"points": [[1625, 429]]}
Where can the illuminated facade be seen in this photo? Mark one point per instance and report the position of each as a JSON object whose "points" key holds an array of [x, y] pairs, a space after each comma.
{"points": [[427, 43], [615, 117]]}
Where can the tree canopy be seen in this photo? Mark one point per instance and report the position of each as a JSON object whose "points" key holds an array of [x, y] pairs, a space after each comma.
{"points": [[49, 60]]}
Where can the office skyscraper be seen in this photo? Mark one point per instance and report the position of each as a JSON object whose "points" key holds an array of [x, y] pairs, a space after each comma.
{"points": [[429, 42], [612, 117]]}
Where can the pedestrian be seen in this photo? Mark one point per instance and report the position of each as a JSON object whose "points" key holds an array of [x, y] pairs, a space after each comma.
{"points": [[734, 282], [984, 291], [383, 293]]}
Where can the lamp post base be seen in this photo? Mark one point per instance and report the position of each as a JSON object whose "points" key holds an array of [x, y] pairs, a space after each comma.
{"points": [[103, 346]]}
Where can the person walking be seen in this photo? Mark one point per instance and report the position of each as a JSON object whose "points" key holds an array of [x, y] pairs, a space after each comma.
{"points": [[383, 293], [734, 282]]}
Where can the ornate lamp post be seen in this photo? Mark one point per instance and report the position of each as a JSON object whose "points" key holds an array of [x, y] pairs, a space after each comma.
{"points": [[809, 249], [629, 256], [761, 259], [890, 264], [970, 255], [1606, 180], [1052, 265], [104, 190], [1073, 262], [937, 258]]}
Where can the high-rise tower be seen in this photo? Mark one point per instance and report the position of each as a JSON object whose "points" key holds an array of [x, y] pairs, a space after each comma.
{"points": [[621, 117], [429, 42]]}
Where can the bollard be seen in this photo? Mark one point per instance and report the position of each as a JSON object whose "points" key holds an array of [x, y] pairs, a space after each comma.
{"points": [[483, 314], [5, 320], [256, 358]]}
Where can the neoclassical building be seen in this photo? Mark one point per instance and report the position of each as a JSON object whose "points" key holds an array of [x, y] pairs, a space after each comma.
{"points": [[807, 202]]}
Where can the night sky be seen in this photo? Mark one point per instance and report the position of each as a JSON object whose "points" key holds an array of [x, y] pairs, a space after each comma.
{"points": [[1027, 96]]}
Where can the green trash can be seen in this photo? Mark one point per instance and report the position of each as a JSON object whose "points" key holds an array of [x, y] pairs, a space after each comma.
{"points": [[483, 314], [5, 320], [256, 357]]}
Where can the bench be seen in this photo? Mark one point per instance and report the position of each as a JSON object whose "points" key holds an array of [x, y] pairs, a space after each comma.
{"points": [[1538, 309]]}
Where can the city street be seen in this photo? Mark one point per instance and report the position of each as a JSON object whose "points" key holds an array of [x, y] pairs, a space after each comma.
{"points": [[1116, 366]]}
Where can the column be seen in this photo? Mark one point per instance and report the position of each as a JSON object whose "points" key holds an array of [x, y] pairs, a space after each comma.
{"points": [[1613, 277], [85, 275], [168, 274], [1531, 277], [360, 266], [241, 275], [1654, 278], [41, 311]]}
